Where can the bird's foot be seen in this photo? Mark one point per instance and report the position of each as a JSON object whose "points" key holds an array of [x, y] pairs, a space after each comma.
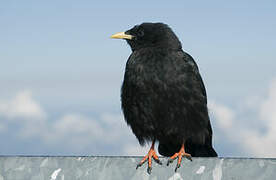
{"points": [[151, 154], [179, 155]]}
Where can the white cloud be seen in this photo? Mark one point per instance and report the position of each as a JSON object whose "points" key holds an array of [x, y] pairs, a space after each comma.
{"points": [[72, 131], [235, 125], [79, 132], [268, 106], [264, 144], [77, 124], [21, 106], [224, 115], [24, 111]]}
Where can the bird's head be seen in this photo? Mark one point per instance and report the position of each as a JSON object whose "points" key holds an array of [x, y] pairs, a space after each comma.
{"points": [[147, 35]]}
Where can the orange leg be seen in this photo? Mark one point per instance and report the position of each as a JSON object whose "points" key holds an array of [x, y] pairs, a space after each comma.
{"points": [[179, 155], [151, 154]]}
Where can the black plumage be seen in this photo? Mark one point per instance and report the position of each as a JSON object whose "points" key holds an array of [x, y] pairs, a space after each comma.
{"points": [[163, 95]]}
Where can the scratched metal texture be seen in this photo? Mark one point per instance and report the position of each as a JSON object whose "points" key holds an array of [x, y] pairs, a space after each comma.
{"points": [[104, 168]]}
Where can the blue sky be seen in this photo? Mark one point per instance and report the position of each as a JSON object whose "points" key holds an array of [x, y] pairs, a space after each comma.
{"points": [[60, 70]]}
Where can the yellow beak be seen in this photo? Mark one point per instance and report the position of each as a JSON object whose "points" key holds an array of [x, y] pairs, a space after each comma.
{"points": [[121, 35]]}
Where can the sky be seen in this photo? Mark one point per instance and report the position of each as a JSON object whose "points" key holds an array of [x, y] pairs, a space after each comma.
{"points": [[61, 74]]}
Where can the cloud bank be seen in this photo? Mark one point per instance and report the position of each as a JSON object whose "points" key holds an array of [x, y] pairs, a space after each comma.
{"points": [[251, 125], [258, 140], [74, 131]]}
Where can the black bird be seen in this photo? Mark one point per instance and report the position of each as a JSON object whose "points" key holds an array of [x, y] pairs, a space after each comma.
{"points": [[163, 96]]}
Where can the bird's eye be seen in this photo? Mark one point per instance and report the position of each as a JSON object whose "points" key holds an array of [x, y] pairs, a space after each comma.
{"points": [[140, 32]]}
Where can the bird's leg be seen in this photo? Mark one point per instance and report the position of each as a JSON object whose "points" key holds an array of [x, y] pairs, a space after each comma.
{"points": [[148, 157], [179, 155]]}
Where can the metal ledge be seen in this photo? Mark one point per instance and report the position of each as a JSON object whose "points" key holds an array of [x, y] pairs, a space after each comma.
{"points": [[104, 168]]}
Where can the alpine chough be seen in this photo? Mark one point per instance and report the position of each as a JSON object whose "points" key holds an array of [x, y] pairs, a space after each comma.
{"points": [[163, 95]]}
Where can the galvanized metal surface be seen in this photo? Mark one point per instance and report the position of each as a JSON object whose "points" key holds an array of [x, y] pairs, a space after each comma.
{"points": [[104, 168]]}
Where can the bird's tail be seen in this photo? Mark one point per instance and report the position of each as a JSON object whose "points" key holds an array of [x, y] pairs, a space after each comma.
{"points": [[200, 150], [196, 150], [168, 149]]}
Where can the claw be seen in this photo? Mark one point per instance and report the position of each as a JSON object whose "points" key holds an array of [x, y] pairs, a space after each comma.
{"points": [[149, 170], [169, 161], [189, 157], [177, 166], [157, 161], [179, 155], [141, 163], [151, 154], [138, 165]]}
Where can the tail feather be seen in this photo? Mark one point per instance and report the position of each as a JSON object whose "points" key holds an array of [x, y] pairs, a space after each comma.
{"points": [[197, 150], [168, 149]]}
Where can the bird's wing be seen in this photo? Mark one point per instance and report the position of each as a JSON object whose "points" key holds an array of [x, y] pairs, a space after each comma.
{"points": [[197, 74], [188, 86], [184, 77], [189, 92]]}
